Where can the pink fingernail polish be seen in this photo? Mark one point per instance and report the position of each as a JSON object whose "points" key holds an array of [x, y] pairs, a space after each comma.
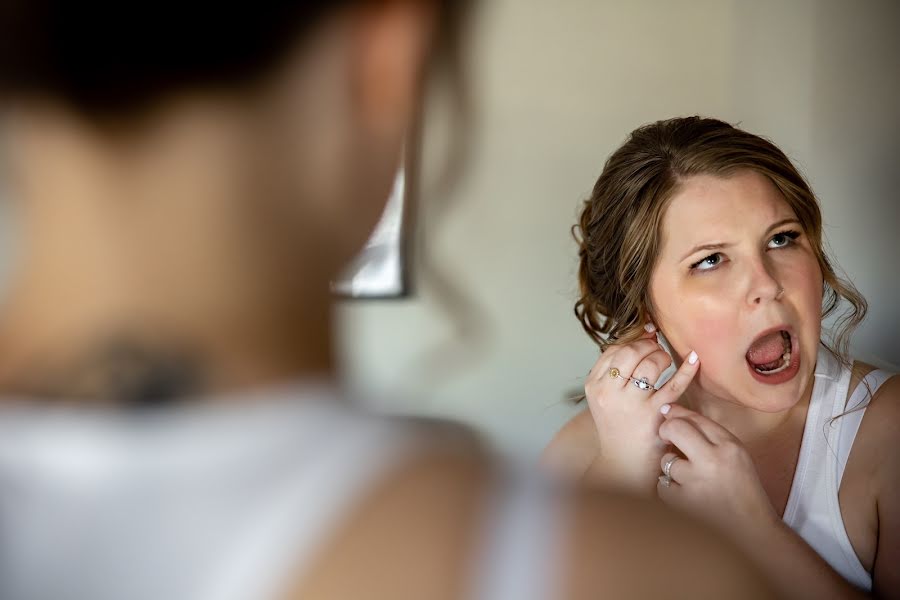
{"points": [[665, 408], [692, 358], [650, 327]]}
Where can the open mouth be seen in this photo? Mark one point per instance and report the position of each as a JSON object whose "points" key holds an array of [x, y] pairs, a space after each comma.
{"points": [[770, 354]]}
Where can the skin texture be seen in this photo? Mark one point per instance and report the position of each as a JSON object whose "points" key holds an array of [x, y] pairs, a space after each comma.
{"points": [[739, 439]]}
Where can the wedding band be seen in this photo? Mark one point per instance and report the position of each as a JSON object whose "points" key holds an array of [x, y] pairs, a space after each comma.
{"points": [[667, 466], [665, 480]]}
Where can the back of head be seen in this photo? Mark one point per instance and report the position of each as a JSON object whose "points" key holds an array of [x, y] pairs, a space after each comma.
{"points": [[107, 59], [236, 156]]}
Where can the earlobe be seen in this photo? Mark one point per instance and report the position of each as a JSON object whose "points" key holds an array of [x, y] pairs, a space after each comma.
{"points": [[392, 51]]}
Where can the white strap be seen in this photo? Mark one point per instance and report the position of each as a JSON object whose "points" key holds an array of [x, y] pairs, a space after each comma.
{"points": [[284, 537], [855, 410], [521, 541]]}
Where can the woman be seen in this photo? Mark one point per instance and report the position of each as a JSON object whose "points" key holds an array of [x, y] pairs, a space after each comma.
{"points": [[706, 238], [190, 178]]}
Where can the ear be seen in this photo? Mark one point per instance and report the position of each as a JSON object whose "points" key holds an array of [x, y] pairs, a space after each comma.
{"points": [[392, 47]]}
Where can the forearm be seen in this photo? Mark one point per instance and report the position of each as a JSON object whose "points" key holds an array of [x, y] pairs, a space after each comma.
{"points": [[795, 569]]}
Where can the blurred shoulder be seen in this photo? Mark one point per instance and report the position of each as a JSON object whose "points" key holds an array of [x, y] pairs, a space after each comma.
{"points": [[416, 534], [573, 448], [409, 535], [625, 547]]}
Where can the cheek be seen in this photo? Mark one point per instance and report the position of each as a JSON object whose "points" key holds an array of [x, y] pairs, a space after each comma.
{"points": [[705, 325]]}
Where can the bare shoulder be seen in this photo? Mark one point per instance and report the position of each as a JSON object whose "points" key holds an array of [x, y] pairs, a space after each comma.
{"points": [[877, 445], [415, 536], [881, 424], [624, 547], [573, 448], [878, 454], [410, 536]]}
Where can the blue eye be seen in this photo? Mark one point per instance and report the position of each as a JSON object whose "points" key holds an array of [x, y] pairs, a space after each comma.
{"points": [[783, 239], [705, 264]]}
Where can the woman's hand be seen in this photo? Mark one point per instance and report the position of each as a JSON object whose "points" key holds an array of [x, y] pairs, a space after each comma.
{"points": [[627, 417], [714, 477]]}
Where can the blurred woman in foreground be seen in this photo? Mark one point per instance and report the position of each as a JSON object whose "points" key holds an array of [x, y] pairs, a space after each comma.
{"points": [[190, 180]]}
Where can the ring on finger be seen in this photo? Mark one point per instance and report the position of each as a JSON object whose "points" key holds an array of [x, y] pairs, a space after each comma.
{"points": [[665, 480], [667, 466], [643, 383]]}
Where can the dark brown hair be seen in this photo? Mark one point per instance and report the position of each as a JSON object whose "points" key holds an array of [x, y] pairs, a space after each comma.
{"points": [[116, 58], [620, 224]]}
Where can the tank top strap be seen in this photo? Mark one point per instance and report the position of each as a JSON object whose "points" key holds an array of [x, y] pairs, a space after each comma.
{"points": [[849, 415], [283, 538], [521, 538]]}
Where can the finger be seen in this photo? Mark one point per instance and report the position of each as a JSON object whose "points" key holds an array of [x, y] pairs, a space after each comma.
{"points": [[712, 430], [685, 436], [628, 356], [679, 469], [652, 366], [649, 331], [676, 386], [668, 491], [624, 358]]}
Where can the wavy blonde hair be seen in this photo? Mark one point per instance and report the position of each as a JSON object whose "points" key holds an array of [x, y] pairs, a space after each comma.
{"points": [[619, 228]]}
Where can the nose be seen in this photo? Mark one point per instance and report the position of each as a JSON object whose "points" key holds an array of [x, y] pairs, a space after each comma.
{"points": [[764, 285]]}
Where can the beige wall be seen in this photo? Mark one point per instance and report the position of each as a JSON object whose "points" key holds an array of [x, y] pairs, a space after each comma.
{"points": [[558, 86]]}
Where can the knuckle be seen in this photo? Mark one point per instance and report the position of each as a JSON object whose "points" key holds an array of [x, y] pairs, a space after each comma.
{"points": [[675, 386], [628, 354], [732, 450], [669, 427]]}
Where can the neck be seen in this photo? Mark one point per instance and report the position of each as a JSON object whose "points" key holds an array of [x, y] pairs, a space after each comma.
{"points": [[139, 271], [752, 427]]}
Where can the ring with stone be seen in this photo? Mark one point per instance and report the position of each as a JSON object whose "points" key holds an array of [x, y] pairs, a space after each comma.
{"points": [[614, 372], [643, 383]]}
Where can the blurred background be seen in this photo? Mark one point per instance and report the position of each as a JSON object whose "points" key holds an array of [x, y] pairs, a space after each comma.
{"points": [[488, 335]]}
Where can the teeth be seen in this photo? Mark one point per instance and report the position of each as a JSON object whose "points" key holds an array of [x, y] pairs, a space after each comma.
{"points": [[785, 363]]}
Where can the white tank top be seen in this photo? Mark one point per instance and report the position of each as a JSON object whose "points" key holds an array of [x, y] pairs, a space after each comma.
{"points": [[223, 501], [812, 509]]}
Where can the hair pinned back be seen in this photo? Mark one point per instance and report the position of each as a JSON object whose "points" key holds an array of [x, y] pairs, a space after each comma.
{"points": [[619, 229]]}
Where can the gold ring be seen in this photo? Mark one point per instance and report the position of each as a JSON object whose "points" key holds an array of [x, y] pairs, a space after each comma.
{"points": [[614, 372]]}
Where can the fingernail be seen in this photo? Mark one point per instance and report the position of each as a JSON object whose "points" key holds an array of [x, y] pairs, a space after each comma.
{"points": [[665, 408], [650, 327], [692, 358]]}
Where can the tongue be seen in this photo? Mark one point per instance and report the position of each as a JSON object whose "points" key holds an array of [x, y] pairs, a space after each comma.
{"points": [[766, 349]]}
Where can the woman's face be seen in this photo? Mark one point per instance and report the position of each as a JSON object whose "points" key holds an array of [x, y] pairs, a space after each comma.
{"points": [[729, 245]]}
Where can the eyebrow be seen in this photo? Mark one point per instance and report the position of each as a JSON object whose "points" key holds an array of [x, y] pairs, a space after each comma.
{"points": [[720, 245]]}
